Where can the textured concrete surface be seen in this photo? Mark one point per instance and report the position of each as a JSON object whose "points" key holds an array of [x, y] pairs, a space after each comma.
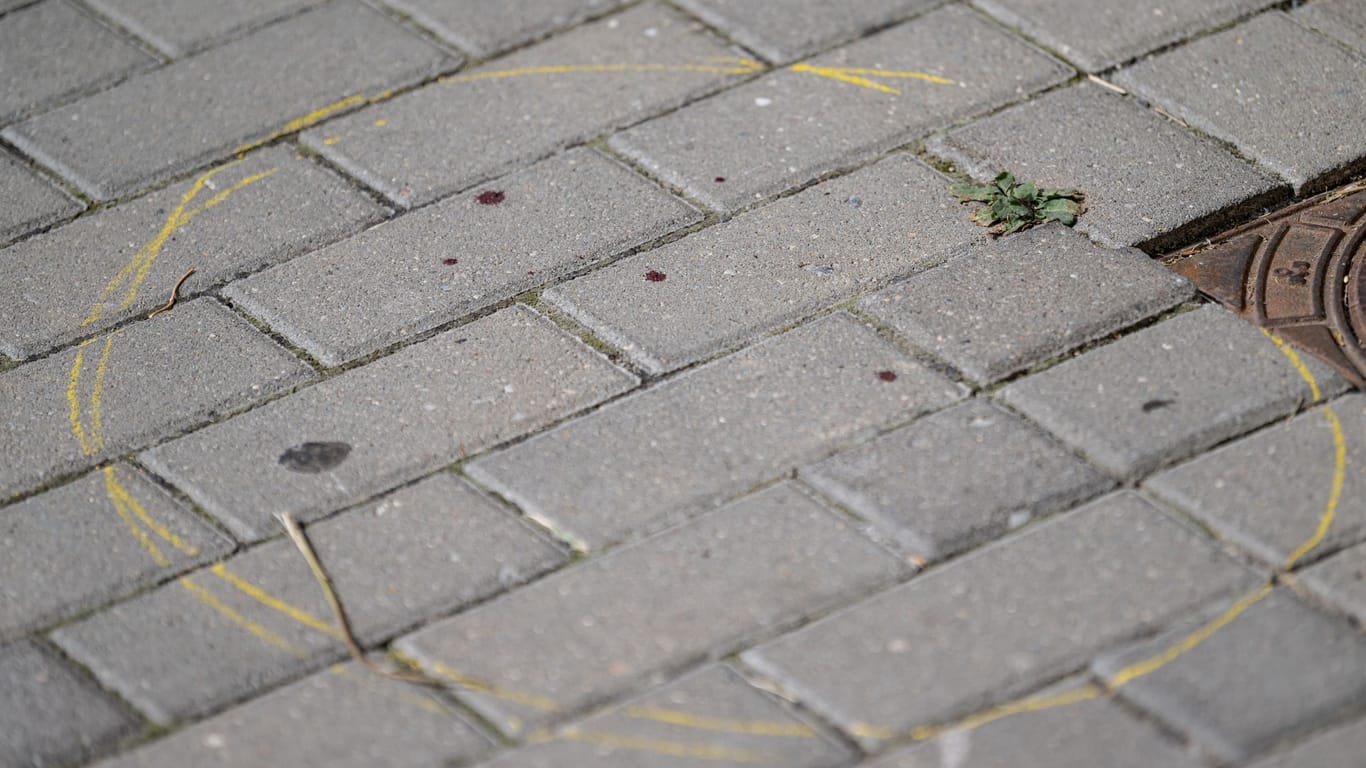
{"points": [[645, 389], [459, 256], [289, 204], [1264, 86], [798, 123], [1168, 391], [697, 591], [337, 57], [32, 78], [955, 479], [776, 265], [997, 310], [949, 642], [1147, 182], [1276, 673], [715, 432]]}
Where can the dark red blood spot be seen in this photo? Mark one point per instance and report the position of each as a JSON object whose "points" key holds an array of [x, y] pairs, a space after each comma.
{"points": [[720, 179], [655, 276], [491, 197], [449, 262], [887, 375]]}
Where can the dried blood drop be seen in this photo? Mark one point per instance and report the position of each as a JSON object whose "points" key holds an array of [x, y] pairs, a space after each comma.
{"points": [[886, 375], [449, 262], [655, 276], [491, 197], [720, 179]]}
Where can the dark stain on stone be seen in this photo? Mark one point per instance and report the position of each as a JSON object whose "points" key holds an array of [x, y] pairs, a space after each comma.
{"points": [[312, 458], [450, 262], [1156, 405], [888, 376], [719, 179], [655, 276], [491, 197]]}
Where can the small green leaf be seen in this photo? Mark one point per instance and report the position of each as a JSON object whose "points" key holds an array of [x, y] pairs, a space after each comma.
{"points": [[977, 192]]}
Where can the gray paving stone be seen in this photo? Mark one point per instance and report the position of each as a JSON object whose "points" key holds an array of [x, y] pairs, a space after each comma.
{"points": [[485, 28], [1080, 735], [709, 716], [54, 279], [734, 282], [344, 717], [50, 715], [1168, 392], [51, 51], [1000, 620], [713, 432], [177, 27], [609, 623], [1285, 96], [401, 417], [1098, 34], [29, 201], [1147, 182], [786, 31], [187, 648], [109, 144], [1341, 580], [161, 376], [1333, 749], [1024, 299], [73, 548], [445, 261], [1276, 672], [956, 479], [479, 124], [792, 126], [1267, 493], [1343, 19]]}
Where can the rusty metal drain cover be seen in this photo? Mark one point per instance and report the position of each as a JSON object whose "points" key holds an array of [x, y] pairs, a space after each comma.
{"points": [[1300, 273]]}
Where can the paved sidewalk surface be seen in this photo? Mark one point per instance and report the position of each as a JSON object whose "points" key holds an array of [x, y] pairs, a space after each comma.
{"points": [[649, 399]]}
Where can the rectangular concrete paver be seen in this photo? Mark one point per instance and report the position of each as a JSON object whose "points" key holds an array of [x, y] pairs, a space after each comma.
{"points": [[1342, 19], [49, 713], [1332, 749], [28, 200], [1267, 493], [1098, 34], [785, 31], [989, 625], [439, 263], [160, 376], [956, 479], [1341, 581], [707, 717], [1087, 734], [1147, 181], [1276, 672], [1034, 295], [479, 124], [1168, 391], [793, 125], [51, 51], [485, 28], [1267, 86], [344, 716], [691, 592], [707, 435], [389, 421], [177, 27], [336, 57], [288, 204], [726, 285], [104, 536], [221, 633]]}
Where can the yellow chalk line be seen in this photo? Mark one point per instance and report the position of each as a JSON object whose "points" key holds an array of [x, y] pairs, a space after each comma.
{"points": [[744, 67], [228, 612], [274, 603], [300, 123], [1161, 659], [720, 724], [74, 402], [715, 752], [117, 492], [853, 75]]}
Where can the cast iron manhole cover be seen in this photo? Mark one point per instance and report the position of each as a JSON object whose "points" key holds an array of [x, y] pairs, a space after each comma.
{"points": [[1300, 272]]}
